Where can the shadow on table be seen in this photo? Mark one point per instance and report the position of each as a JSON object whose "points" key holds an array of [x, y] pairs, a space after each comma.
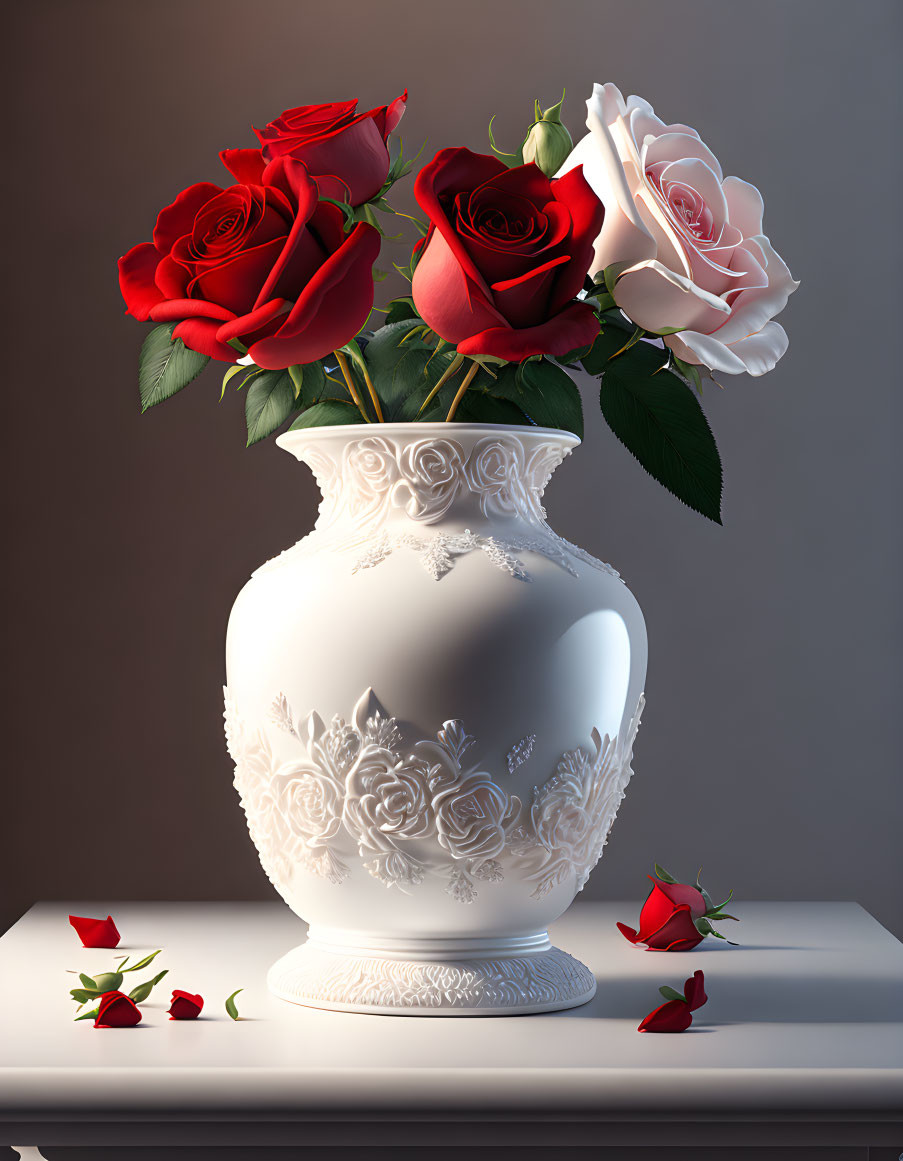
{"points": [[754, 998]]}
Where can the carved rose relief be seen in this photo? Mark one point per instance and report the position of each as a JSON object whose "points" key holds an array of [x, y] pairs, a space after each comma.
{"points": [[495, 471], [359, 781], [432, 475]]}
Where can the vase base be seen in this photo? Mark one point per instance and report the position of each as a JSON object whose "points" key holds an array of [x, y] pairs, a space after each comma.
{"points": [[548, 980]]}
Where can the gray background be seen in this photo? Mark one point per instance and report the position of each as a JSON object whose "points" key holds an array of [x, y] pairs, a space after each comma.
{"points": [[771, 746]]}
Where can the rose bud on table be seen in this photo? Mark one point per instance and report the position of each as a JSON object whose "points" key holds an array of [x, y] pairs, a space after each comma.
{"points": [[117, 1011], [676, 916], [96, 932], [676, 1014], [185, 1005]]}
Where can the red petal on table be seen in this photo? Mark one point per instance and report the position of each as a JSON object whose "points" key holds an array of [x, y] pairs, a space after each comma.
{"points": [[185, 1005], [628, 932], [694, 991], [96, 932], [117, 1011], [674, 1016]]}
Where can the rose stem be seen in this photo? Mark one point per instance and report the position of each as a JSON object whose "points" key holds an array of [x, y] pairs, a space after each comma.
{"points": [[451, 370], [457, 399], [373, 395], [343, 363]]}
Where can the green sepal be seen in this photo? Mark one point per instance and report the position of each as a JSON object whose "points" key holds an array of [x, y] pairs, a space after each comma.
{"points": [[661, 873], [237, 345], [82, 995], [92, 1015], [689, 371], [230, 1004], [165, 366], [235, 369], [107, 982], [612, 273], [510, 159], [672, 993], [87, 981], [268, 404]]}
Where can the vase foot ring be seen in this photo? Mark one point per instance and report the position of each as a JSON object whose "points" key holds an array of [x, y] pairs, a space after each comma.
{"points": [[543, 981]]}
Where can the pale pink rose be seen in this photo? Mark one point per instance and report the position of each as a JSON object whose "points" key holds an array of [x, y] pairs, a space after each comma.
{"points": [[692, 238]]}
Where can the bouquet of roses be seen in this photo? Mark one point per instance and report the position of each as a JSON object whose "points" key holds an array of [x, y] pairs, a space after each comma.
{"points": [[630, 256]]}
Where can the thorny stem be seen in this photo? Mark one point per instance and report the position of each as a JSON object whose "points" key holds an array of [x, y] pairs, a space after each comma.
{"points": [[464, 385], [448, 373], [343, 364]]}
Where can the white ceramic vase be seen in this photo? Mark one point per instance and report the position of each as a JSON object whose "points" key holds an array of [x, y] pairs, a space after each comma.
{"points": [[431, 705]]}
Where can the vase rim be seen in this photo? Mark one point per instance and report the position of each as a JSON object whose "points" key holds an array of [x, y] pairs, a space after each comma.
{"points": [[290, 440]]}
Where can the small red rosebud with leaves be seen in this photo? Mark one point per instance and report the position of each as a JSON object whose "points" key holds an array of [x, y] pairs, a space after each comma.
{"points": [[676, 916], [676, 1014]]}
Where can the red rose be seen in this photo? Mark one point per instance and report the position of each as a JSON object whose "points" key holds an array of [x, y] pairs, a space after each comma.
{"points": [[344, 151], [667, 918], [265, 263], [185, 1006], [117, 1011], [676, 1014], [96, 932], [506, 254]]}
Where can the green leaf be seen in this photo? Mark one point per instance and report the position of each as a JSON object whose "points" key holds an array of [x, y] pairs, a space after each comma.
{"points": [[269, 403], [401, 309], [230, 1004], [107, 982], [87, 981], [480, 407], [165, 366], [544, 392], [142, 963], [92, 1015], [661, 873], [574, 356], [689, 371], [327, 413], [234, 370], [82, 995], [658, 419], [672, 993], [140, 993]]}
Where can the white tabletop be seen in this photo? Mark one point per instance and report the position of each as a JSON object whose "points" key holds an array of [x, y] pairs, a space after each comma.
{"points": [[803, 1032]]}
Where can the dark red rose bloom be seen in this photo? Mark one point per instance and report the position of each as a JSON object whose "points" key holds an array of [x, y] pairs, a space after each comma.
{"points": [[265, 263], [506, 254], [345, 151], [676, 1015], [666, 920], [96, 932], [117, 1011], [185, 1005]]}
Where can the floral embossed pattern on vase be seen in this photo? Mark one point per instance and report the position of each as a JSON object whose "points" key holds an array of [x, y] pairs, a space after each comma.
{"points": [[432, 702]]}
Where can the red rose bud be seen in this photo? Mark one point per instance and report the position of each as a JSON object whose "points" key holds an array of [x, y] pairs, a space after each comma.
{"points": [[676, 1014], [185, 1006], [117, 1011], [96, 932], [344, 151], [675, 916]]}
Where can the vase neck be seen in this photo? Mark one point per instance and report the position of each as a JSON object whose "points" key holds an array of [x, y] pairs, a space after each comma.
{"points": [[413, 474]]}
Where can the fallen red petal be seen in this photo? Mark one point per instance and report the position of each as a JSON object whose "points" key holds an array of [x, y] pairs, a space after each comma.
{"points": [[673, 1016], [96, 932], [116, 1010], [185, 1005], [694, 991]]}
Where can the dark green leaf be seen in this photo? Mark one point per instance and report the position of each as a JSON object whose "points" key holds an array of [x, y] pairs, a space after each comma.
{"points": [[230, 1004], [166, 366], [661, 873], [573, 356], [142, 963], [327, 413], [704, 927], [479, 407], [672, 993], [269, 403], [401, 309], [544, 392], [658, 419]]}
